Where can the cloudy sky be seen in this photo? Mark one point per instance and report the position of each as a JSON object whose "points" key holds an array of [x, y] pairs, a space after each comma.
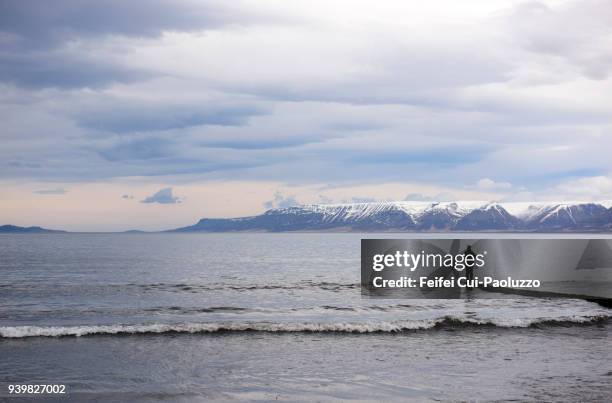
{"points": [[153, 114]]}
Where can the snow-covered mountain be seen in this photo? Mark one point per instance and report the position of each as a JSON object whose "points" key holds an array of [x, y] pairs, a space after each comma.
{"points": [[421, 216]]}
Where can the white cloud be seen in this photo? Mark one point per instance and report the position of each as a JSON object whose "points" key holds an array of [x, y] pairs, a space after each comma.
{"points": [[590, 188], [440, 197], [489, 184], [163, 196], [281, 201]]}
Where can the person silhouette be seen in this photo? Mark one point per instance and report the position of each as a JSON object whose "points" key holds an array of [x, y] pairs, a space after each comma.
{"points": [[469, 267]]}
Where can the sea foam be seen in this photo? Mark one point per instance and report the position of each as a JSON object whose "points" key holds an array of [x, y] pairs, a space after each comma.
{"points": [[339, 327]]}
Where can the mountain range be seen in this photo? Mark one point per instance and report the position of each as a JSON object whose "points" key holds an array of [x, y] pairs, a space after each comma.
{"points": [[14, 229], [408, 216]]}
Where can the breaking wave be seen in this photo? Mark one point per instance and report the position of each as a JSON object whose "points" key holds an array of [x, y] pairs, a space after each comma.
{"points": [[193, 288], [445, 322]]}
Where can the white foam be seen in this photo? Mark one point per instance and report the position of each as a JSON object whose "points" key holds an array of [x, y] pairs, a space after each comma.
{"points": [[340, 327]]}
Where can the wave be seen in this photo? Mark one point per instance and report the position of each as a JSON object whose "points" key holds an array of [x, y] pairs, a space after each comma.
{"points": [[340, 327], [194, 288]]}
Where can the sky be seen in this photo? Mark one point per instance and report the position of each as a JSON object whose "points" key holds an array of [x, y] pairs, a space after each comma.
{"points": [[153, 114]]}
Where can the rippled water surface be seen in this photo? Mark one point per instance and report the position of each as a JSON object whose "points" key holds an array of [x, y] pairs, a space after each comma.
{"points": [[266, 316]]}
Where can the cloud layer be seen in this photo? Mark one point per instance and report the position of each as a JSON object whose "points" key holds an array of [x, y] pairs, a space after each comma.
{"points": [[500, 97]]}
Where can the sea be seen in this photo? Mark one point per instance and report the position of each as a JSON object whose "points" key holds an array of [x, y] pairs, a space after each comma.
{"points": [[273, 317]]}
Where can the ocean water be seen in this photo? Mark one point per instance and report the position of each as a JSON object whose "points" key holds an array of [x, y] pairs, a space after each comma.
{"points": [[190, 317]]}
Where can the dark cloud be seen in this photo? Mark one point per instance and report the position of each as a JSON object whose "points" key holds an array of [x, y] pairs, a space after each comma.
{"points": [[50, 69], [126, 117], [57, 191], [440, 156], [262, 144], [34, 36], [126, 196], [138, 149], [155, 155], [158, 156], [163, 196], [51, 22], [28, 165]]}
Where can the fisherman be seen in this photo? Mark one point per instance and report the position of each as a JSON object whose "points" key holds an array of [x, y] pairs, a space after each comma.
{"points": [[469, 266]]}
